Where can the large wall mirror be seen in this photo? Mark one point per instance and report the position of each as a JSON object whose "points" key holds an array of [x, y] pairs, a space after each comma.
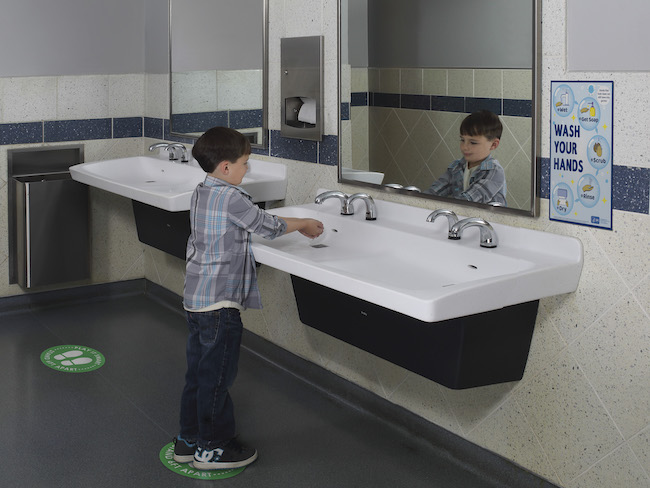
{"points": [[411, 71], [218, 67]]}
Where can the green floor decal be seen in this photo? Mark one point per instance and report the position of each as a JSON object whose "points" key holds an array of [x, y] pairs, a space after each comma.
{"points": [[72, 359], [167, 458]]}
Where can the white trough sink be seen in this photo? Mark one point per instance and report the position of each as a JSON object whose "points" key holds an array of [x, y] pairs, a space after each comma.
{"points": [[406, 264], [169, 185]]}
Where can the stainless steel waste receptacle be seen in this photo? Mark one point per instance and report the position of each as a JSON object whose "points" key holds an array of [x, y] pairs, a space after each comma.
{"points": [[53, 239]]}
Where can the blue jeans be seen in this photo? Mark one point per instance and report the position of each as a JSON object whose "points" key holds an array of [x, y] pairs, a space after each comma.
{"points": [[207, 414]]}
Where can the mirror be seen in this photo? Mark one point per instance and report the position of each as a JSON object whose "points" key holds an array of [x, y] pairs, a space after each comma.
{"points": [[218, 64], [411, 71]]}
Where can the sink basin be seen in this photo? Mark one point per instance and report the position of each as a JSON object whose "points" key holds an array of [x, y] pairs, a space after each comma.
{"points": [[405, 264], [169, 185], [361, 175]]}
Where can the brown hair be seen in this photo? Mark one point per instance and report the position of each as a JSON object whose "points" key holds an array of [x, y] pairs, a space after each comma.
{"points": [[219, 144], [482, 123]]}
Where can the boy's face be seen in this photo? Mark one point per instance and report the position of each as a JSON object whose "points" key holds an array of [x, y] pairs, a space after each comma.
{"points": [[476, 148], [232, 173]]}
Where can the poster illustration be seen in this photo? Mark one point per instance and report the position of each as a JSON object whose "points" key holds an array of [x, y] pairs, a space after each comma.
{"points": [[581, 152]]}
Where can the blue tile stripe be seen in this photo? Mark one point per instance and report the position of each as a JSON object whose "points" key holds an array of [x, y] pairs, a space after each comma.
{"points": [[630, 193], [23, 133], [127, 127], [630, 186], [440, 103], [345, 111], [77, 130]]}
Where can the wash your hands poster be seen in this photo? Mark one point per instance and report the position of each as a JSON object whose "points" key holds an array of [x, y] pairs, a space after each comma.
{"points": [[581, 153]]}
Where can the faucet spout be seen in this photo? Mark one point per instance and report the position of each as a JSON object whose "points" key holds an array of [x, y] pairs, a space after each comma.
{"points": [[177, 149], [346, 208], [158, 145], [452, 218], [488, 235], [371, 208]]}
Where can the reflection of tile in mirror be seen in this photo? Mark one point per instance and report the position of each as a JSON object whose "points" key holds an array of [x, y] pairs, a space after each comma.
{"points": [[517, 84], [434, 81], [488, 83]]}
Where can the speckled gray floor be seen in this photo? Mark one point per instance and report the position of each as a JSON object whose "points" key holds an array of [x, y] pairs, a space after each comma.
{"points": [[105, 428]]}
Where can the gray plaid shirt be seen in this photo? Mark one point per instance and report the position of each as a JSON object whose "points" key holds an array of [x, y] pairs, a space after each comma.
{"points": [[487, 184], [220, 265]]}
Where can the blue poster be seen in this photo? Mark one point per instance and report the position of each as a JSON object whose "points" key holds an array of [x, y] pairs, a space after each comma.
{"points": [[581, 152]]}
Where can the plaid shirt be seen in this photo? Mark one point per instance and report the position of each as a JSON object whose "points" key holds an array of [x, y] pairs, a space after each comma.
{"points": [[487, 184], [220, 265]]}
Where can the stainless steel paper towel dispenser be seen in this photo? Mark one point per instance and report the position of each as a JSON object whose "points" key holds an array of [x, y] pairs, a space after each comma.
{"points": [[48, 217], [302, 87]]}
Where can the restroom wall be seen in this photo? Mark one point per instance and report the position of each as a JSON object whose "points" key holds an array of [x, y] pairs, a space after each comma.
{"points": [[581, 415]]}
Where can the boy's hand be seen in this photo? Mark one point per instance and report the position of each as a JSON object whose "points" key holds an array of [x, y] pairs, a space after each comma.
{"points": [[311, 228]]}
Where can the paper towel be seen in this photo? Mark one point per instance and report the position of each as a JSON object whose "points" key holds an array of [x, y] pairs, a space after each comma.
{"points": [[307, 112]]}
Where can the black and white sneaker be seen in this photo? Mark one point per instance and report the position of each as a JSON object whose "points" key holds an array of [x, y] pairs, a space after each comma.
{"points": [[232, 455], [183, 450]]}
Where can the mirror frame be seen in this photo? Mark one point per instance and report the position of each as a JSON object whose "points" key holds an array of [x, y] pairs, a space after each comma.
{"points": [[533, 211], [265, 79]]}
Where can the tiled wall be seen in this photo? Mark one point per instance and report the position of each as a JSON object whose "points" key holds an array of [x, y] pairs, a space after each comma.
{"points": [[204, 99], [105, 113], [579, 417]]}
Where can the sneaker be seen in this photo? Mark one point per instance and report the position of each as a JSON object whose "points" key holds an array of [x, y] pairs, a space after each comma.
{"points": [[232, 455], [183, 450]]}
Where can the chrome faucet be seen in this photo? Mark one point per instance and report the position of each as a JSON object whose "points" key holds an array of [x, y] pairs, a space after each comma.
{"points": [[488, 234], [158, 145], [452, 218], [346, 208], [175, 149], [371, 209]]}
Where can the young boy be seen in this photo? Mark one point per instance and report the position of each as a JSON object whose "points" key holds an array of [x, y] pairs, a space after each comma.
{"points": [[220, 281], [477, 176]]}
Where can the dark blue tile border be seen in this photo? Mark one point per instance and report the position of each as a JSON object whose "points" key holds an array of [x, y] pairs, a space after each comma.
{"points": [[153, 128], [345, 111], [77, 130], [448, 104], [390, 100], [127, 127], [631, 189], [198, 122], [440, 103], [328, 151], [21, 133], [296, 149], [544, 177], [630, 192], [359, 99], [473, 104], [416, 102], [245, 119], [517, 108], [630, 186]]}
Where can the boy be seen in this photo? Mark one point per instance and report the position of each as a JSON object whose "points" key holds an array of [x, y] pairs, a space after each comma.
{"points": [[477, 176], [220, 281]]}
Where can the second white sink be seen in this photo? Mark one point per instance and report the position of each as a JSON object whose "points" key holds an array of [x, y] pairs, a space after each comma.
{"points": [[169, 185]]}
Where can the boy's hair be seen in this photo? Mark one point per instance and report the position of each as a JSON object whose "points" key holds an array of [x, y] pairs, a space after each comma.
{"points": [[219, 144], [482, 123]]}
